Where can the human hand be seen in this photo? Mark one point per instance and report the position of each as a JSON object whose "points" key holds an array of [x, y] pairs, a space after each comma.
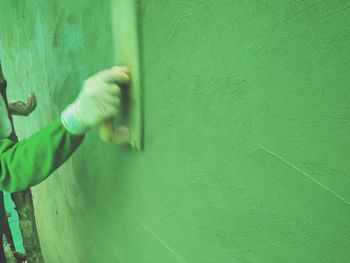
{"points": [[98, 100]]}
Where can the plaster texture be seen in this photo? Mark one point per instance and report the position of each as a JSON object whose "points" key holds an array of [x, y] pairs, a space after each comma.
{"points": [[247, 146]]}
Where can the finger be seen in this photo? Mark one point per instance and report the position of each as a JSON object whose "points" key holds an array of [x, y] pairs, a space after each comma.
{"points": [[111, 100], [113, 75], [122, 68], [113, 89], [104, 107], [109, 111]]}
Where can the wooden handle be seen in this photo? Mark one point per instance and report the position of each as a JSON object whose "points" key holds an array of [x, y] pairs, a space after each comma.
{"points": [[114, 134]]}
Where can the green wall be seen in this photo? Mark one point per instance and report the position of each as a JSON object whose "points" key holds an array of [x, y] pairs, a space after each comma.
{"points": [[247, 146]]}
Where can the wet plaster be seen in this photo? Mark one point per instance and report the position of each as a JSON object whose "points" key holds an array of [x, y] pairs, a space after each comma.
{"points": [[247, 145]]}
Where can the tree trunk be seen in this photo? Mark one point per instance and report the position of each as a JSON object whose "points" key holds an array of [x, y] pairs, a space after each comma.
{"points": [[24, 206]]}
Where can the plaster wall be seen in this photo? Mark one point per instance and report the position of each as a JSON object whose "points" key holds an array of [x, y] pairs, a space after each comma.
{"points": [[247, 145]]}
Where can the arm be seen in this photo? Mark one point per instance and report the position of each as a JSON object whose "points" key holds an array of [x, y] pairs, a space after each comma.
{"points": [[32, 160]]}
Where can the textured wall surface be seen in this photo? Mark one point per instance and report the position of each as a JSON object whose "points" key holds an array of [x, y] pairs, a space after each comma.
{"points": [[247, 146]]}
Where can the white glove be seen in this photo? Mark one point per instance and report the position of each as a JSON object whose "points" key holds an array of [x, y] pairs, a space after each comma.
{"points": [[98, 100]]}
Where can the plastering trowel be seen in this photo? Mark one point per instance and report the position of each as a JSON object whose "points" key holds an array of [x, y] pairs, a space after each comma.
{"points": [[127, 128]]}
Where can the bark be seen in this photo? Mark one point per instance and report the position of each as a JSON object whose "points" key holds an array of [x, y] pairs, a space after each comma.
{"points": [[24, 206]]}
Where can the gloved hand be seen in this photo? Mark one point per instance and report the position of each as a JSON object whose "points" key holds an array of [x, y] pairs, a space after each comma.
{"points": [[98, 100]]}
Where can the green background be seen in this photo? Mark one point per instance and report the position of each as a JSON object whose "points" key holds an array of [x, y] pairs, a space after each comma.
{"points": [[247, 146]]}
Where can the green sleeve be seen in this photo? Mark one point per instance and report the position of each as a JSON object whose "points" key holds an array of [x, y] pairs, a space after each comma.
{"points": [[32, 160]]}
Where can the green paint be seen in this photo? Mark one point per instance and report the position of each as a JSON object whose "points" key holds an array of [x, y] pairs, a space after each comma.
{"points": [[247, 145]]}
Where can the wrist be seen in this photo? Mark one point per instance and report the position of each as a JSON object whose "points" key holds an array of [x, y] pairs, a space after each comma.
{"points": [[71, 121]]}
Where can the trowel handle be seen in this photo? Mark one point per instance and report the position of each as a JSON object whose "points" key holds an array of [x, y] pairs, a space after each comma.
{"points": [[113, 134]]}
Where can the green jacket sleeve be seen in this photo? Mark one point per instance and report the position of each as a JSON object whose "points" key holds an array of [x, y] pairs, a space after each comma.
{"points": [[29, 162]]}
